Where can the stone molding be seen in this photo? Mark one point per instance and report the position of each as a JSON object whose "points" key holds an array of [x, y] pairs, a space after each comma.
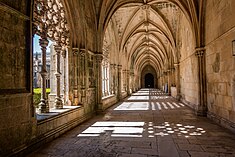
{"points": [[82, 52], [119, 67], [99, 58], [75, 51], [200, 51]]}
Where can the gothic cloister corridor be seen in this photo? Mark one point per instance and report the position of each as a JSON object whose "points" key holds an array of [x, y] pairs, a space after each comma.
{"points": [[117, 78], [147, 124]]}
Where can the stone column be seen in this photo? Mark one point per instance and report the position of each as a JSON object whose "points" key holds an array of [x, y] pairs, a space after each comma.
{"points": [[165, 81], [202, 106], [82, 77], [103, 78], [160, 85], [109, 82], [111, 77], [124, 80], [177, 80], [173, 76], [161, 81], [132, 81], [75, 52], [128, 82], [64, 75], [119, 92], [99, 59], [43, 105], [58, 101], [169, 80], [106, 79], [233, 92], [82, 66], [115, 79]]}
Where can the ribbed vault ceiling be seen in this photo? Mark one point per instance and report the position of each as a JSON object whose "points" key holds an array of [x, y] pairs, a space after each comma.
{"points": [[146, 33]]}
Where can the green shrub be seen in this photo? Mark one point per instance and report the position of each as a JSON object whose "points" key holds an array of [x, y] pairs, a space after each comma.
{"points": [[37, 95]]}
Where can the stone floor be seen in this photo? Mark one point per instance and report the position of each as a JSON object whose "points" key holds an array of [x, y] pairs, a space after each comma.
{"points": [[147, 124]]}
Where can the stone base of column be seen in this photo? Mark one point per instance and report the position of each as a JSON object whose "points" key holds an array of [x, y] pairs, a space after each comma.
{"points": [[75, 101], [51, 100], [120, 98], [201, 111], [75, 97], [43, 107], [99, 109], [178, 97], [58, 103]]}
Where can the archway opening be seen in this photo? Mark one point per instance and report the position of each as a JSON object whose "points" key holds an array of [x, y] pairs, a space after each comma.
{"points": [[149, 81]]}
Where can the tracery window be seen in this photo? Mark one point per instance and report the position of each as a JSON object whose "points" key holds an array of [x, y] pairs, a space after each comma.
{"points": [[49, 23], [105, 77], [105, 70]]}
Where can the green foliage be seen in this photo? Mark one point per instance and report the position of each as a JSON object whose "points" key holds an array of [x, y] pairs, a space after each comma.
{"points": [[38, 90], [37, 95]]}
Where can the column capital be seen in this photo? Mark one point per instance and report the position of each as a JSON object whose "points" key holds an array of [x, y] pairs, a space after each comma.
{"points": [[57, 48], [43, 42], [131, 71], [82, 52], [63, 53], [99, 58], [176, 64], [43, 72], [200, 51], [75, 51], [115, 66], [165, 72], [119, 67], [172, 69], [112, 65]]}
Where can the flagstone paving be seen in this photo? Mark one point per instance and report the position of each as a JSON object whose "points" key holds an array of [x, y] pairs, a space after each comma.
{"points": [[147, 124]]}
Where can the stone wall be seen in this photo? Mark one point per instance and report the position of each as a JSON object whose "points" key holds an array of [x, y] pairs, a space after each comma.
{"points": [[220, 64], [108, 101], [188, 64], [20, 130], [16, 112]]}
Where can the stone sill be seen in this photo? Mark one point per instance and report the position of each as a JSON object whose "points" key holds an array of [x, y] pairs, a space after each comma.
{"points": [[107, 97], [43, 117]]}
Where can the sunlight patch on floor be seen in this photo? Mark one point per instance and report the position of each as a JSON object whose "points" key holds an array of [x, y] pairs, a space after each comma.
{"points": [[133, 106], [115, 129]]}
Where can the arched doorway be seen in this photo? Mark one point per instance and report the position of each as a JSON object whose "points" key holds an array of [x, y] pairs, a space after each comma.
{"points": [[149, 81]]}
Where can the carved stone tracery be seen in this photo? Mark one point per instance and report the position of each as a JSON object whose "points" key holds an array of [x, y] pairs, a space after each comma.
{"points": [[49, 22]]}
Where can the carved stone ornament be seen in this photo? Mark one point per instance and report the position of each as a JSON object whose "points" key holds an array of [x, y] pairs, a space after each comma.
{"points": [[49, 21], [75, 51], [99, 58], [82, 52], [199, 51]]}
